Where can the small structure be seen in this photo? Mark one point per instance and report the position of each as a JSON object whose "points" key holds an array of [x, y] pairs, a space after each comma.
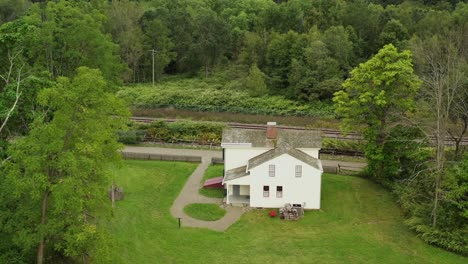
{"points": [[291, 212], [214, 183], [118, 193], [272, 168]]}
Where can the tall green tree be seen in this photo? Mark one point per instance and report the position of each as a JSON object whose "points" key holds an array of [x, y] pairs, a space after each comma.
{"points": [[56, 176], [19, 80], [443, 66], [316, 75], [71, 34], [394, 32], [123, 18], [377, 95], [281, 51], [340, 46], [156, 36], [211, 39]]}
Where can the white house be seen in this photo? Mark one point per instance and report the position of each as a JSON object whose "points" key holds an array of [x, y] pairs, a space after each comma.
{"points": [[273, 167]]}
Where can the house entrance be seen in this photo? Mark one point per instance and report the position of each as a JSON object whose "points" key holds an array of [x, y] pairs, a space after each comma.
{"points": [[236, 190], [239, 195]]}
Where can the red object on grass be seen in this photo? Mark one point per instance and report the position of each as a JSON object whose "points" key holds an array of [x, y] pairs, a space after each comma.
{"points": [[214, 183], [272, 213]]}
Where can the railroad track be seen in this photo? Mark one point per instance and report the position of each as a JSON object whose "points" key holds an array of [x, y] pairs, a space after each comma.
{"points": [[330, 133], [326, 132]]}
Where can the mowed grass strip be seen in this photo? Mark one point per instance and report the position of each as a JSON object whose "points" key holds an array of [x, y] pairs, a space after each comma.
{"points": [[213, 171], [206, 212], [359, 223]]}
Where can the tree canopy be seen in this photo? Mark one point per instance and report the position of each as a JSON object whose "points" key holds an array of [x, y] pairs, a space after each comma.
{"points": [[57, 174]]}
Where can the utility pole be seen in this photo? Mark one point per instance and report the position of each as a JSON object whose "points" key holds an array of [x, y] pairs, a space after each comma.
{"points": [[152, 52]]}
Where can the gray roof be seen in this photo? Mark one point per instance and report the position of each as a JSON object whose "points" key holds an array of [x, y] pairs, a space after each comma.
{"points": [[293, 138], [283, 149], [235, 173]]}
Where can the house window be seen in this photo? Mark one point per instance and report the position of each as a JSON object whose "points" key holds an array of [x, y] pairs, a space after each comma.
{"points": [[266, 191], [271, 170], [279, 191], [298, 170]]}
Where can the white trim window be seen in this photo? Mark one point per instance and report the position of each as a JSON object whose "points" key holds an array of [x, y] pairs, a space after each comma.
{"points": [[298, 171], [271, 170], [279, 191], [266, 191]]}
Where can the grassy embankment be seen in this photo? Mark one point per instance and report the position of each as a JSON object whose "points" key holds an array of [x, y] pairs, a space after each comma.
{"points": [[358, 223], [207, 99]]}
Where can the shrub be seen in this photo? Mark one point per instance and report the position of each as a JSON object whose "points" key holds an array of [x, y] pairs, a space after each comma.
{"points": [[203, 96], [343, 144], [131, 137], [202, 132]]}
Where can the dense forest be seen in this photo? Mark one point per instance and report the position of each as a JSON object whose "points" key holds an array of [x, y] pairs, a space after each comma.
{"points": [[396, 71]]}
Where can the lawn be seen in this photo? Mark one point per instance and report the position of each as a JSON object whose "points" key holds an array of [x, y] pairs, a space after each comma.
{"points": [[207, 212], [359, 223], [215, 170]]}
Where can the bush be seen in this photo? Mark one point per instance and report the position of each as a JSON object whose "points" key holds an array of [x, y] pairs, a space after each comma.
{"points": [[198, 95], [131, 137], [343, 144], [202, 132]]}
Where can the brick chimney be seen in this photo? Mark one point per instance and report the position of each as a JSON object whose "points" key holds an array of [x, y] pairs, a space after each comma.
{"points": [[272, 131]]}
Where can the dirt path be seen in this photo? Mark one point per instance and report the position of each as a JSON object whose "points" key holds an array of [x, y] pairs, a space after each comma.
{"points": [[189, 193]]}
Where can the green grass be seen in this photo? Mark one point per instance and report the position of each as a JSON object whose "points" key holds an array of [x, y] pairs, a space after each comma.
{"points": [[359, 223], [207, 212], [213, 171], [199, 94]]}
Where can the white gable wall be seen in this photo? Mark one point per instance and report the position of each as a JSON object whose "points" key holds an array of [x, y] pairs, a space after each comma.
{"points": [[296, 190], [237, 157], [314, 152]]}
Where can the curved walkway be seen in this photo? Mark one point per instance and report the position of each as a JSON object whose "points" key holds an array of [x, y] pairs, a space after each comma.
{"points": [[190, 194]]}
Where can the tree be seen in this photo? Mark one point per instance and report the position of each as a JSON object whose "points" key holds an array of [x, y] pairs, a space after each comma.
{"points": [[365, 19], [19, 82], [458, 126], [14, 78], [394, 32], [11, 9], [375, 97], [57, 174], [253, 49], [123, 23], [70, 34], [211, 39], [339, 45], [157, 38], [255, 82], [281, 51], [442, 64]]}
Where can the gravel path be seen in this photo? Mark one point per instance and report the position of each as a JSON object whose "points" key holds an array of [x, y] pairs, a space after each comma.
{"points": [[189, 193]]}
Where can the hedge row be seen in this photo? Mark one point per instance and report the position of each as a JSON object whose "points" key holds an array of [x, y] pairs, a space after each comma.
{"points": [[343, 144], [200, 132]]}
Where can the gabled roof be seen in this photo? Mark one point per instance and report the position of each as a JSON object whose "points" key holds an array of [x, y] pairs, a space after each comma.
{"points": [[293, 138], [236, 173], [283, 149]]}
